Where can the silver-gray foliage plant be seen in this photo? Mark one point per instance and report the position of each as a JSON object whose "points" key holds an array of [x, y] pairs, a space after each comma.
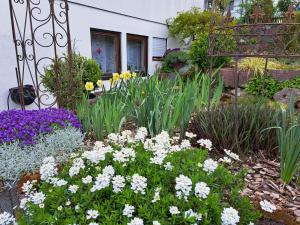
{"points": [[15, 161]]}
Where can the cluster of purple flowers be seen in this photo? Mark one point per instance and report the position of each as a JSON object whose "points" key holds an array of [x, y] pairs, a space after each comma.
{"points": [[26, 126]]}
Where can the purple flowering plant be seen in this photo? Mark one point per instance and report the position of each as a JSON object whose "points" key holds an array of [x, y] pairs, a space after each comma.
{"points": [[26, 126]]}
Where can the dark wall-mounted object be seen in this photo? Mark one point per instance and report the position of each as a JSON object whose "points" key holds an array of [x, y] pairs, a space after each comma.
{"points": [[29, 94]]}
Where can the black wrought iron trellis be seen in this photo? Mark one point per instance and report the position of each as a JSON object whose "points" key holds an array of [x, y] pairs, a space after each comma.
{"points": [[254, 39], [41, 34]]}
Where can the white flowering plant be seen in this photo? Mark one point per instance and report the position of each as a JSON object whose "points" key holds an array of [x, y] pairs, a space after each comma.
{"points": [[129, 179]]}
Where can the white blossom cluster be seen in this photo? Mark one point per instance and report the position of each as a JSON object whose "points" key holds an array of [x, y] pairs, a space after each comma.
{"points": [[128, 210], [103, 179], [92, 214], [124, 155], [210, 166], [118, 183], [141, 134], [97, 154], [77, 165], [48, 169], [206, 143], [191, 214], [230, 216], [138, 184], [190, 135], [201, 190], [183, 186], [136, 221], [7, 219], [174, 210], [232, 155]]}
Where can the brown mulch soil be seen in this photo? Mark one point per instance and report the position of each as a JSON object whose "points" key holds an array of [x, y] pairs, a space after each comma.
{"points": [[263, 183]]}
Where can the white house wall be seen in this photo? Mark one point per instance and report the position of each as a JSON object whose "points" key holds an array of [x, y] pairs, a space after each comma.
{"points": [[141, 17]]}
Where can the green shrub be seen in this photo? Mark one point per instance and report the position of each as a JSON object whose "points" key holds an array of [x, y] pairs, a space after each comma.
{"points": [[199, 52], [263, 86], [131, 175], [219, 125], [190, 23], [84, 70], [174, 60], [15, 161]]}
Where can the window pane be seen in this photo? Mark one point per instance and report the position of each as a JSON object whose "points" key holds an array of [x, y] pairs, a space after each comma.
{"points": [[103, 51], [159, 47], [135, 55]]}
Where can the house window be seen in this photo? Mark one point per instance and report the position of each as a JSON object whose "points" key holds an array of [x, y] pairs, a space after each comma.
{"points": [[106, 51], [137, 53], [159, 47]]}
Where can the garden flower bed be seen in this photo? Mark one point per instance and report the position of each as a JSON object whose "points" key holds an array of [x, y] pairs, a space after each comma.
{"points": [[133, 180]]}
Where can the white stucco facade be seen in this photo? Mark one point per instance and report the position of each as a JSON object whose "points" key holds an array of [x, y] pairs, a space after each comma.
{"points": [[140, 17]]}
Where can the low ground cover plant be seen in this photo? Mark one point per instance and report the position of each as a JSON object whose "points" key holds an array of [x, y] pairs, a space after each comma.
{"points": [[134, 180], [27, 137], [27, 126], [268, 86]]}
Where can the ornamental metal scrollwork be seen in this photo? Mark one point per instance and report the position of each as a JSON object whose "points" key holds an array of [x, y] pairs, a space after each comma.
{"points": [[41, 34]]}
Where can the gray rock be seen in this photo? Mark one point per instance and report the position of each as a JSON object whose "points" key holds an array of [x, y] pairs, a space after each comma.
{"points": [[285, 95]]}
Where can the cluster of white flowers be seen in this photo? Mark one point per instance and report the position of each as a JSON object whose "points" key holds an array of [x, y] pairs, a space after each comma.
{"points": [[168, 166], [118, 183], [124, 155], [210, 166], [98, 153], [206, 143], [232, 155], [123, 138], [7, 219], [141, 134], [136, 221], [102, 181], [183, 186], [185, 144], [230, 216], [87, 180], [92, 214], [77, 165], [267, 206], [48, 169], [156, 195], [128, 210], [155, 222], [174, 210], [201, 190], [191, 214], [73, 188], [27, 187], [138, 183], [225, 159], [56, 182], [190, 135]]}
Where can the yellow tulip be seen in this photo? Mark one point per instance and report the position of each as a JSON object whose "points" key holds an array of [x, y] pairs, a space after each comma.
{"points": [[100, 83], [89, 86]]}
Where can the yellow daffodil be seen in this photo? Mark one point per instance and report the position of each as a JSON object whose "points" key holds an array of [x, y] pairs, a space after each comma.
{"points": [[133, 75], [116, 77], [112, 81], [89, 86], [126, 75], [100, 83]]}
